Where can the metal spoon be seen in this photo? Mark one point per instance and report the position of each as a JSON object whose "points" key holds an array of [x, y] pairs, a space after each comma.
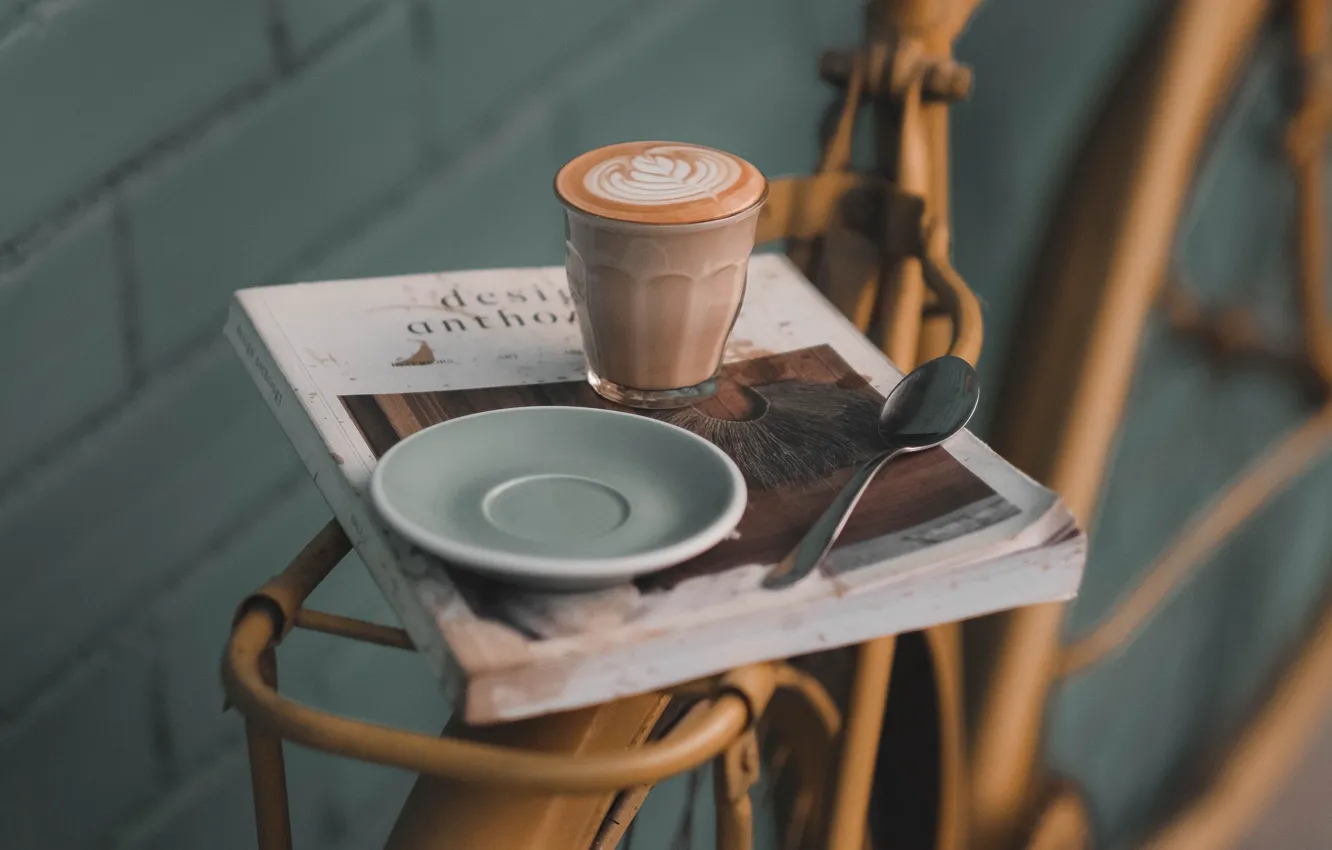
{"points": [[927, 407]]}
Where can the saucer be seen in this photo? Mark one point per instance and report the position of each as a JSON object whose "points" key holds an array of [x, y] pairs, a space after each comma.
{"points": [[563, 497]]}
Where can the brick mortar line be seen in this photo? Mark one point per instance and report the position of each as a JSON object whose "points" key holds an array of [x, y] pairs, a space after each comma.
{"points": [[143, 375], [528, 110], [184, 136], [30, 14], [496, 129], [279, 37], [56, 446], [161, 740], [158, 811], [425, 50], [127, 291], [397, 195], [27, 244], [198, 349], [86, 429], [195, 565], [132, 829], [336, 35], [641, 29], [147, 375], [138, 613]]}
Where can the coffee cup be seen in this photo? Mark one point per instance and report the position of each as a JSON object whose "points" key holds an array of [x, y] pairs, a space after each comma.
{"points": [[657, 243]]}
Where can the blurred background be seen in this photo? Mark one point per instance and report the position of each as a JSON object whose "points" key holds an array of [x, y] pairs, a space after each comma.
{"points": [[159, 154]]}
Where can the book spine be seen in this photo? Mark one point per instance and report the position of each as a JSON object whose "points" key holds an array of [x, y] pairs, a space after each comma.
{"points": [[324, 465]]}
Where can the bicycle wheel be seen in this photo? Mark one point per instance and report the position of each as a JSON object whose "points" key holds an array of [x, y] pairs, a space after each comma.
{"points": [[1219, 376]]}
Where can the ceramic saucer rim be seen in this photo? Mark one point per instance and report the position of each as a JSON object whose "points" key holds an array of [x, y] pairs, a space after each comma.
{"points": [[508, 563]]}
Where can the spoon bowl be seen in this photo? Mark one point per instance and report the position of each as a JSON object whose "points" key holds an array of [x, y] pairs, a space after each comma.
{"points": [[931, 404]]}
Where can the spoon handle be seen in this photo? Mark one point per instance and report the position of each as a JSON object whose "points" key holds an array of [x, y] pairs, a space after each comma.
{"points": [[812, 548]]}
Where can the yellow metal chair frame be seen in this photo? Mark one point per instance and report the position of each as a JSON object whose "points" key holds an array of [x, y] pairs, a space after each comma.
{"points": [[577, 779]]}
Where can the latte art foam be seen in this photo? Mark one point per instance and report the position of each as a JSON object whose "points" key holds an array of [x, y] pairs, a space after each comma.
{"points": [[668, 174], [660, 182]]}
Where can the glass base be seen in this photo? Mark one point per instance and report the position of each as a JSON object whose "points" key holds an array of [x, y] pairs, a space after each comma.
{"points": [[652, 399]]}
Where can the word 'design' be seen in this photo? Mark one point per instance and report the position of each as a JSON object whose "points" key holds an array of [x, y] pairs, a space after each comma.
{"points": [[487, 310]]}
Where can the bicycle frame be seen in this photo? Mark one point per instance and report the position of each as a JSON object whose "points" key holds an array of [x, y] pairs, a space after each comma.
{"points": [[550, 782], [506, 783]]}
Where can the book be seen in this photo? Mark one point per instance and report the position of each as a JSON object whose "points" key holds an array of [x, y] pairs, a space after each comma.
{"points": [[351, 367]]}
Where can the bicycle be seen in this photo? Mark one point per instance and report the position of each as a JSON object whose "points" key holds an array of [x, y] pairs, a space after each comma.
{"points": [[576, 780]]}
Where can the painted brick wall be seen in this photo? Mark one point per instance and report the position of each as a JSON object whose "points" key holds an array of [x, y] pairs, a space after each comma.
{"points": [[157, 154]]}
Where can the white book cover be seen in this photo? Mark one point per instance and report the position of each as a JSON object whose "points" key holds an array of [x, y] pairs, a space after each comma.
{"points": [[350, 367]]}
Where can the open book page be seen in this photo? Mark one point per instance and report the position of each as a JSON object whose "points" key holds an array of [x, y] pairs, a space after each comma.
{"points": [[942, 534]]}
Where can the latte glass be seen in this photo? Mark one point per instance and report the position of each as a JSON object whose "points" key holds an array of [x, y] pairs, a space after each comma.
{"points": [[658, 238]]}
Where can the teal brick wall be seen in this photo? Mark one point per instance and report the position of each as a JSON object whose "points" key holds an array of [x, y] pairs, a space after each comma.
{"points": [[239, 207], [73, 285], [162, 154], [87, 87], [305, 23], [158, 154]]}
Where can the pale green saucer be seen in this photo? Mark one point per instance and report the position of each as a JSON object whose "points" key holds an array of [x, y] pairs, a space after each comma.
{"points": [[563, 497]]}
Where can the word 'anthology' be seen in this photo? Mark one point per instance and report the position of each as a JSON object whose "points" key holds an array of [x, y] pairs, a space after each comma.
{"points": [[488, 310]]}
